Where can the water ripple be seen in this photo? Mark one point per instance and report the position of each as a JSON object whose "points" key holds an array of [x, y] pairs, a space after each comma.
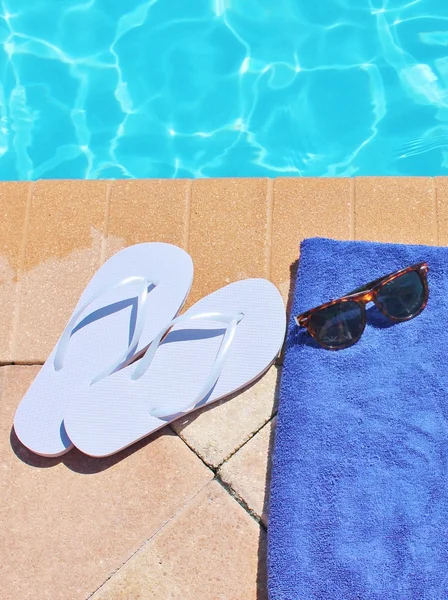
{"points": [[145, 88]]}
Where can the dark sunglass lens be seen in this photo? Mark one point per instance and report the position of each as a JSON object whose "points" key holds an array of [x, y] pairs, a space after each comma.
{"points": [[403, 297], [339, 325]]}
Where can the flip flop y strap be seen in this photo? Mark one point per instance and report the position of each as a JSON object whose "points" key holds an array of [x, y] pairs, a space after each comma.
{"points": [[230, 320], [61, 349]]}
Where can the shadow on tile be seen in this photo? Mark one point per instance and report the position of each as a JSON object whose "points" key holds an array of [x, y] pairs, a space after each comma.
{"points": [[262, 546], [77, 461], [292, 282], [262, 587]]}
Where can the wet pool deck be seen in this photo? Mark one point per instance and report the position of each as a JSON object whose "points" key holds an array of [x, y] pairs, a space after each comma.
{"points": [[181, 515]]}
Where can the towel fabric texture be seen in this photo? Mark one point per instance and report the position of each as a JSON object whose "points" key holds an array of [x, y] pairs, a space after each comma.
{"points": [[359, 494]]}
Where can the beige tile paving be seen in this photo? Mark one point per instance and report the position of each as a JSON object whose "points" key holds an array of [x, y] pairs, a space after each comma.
{"points": [[72, 523], [212, 550], [228, 237], [395, 209], [148, 210], [13, 202], [248, 472], [442, 209], [306, 208], [67, 524], [216, 431], [63, 251], [234, 228]]}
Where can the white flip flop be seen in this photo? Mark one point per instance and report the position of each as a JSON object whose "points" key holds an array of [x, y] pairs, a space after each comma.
{"points": [[126, 303], [220, 345]]}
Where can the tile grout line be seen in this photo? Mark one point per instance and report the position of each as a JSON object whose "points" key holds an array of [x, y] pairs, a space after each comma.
{"points": [[236, 450], [435, 209], [20, 272], [233, 494], [148, 540], [215, 470], [352, 226], [225, 485], [209, 467], [187, 216], [233, 452], [106, 224], [20, 364], [269, 226], [229, 488]]}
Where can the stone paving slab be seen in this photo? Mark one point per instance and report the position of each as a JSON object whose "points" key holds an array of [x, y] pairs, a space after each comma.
{"points": [[62, 250], [67, 524], [211, 550], [13, 213]]}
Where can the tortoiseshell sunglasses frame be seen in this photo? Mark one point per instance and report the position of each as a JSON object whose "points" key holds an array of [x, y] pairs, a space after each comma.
{"points": [[363, 295]]}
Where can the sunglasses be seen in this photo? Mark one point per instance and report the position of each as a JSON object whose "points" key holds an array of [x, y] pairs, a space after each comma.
{"points": [[338, 324]]}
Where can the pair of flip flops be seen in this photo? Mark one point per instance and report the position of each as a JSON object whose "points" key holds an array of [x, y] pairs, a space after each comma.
{"points": [[126, 365]]}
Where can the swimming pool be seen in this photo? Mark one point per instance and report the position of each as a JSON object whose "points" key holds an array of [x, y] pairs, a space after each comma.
{"points": [[215, 88]]}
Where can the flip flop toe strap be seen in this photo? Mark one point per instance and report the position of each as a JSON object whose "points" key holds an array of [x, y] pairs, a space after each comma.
{"points": [[64, 341], [230, 320]]}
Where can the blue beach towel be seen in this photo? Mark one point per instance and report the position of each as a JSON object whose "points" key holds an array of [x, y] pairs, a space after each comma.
{"points": [[359, 495]]}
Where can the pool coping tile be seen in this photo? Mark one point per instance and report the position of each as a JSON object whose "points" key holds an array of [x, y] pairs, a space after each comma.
{"points": [[149, 210], [441, 209], [305, 208], [14, 207], [393, 209], [63, 250], [228, 234]]}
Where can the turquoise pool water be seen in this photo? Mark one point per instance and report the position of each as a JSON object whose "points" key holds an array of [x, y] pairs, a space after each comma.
{"points": [[211, 88]]}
